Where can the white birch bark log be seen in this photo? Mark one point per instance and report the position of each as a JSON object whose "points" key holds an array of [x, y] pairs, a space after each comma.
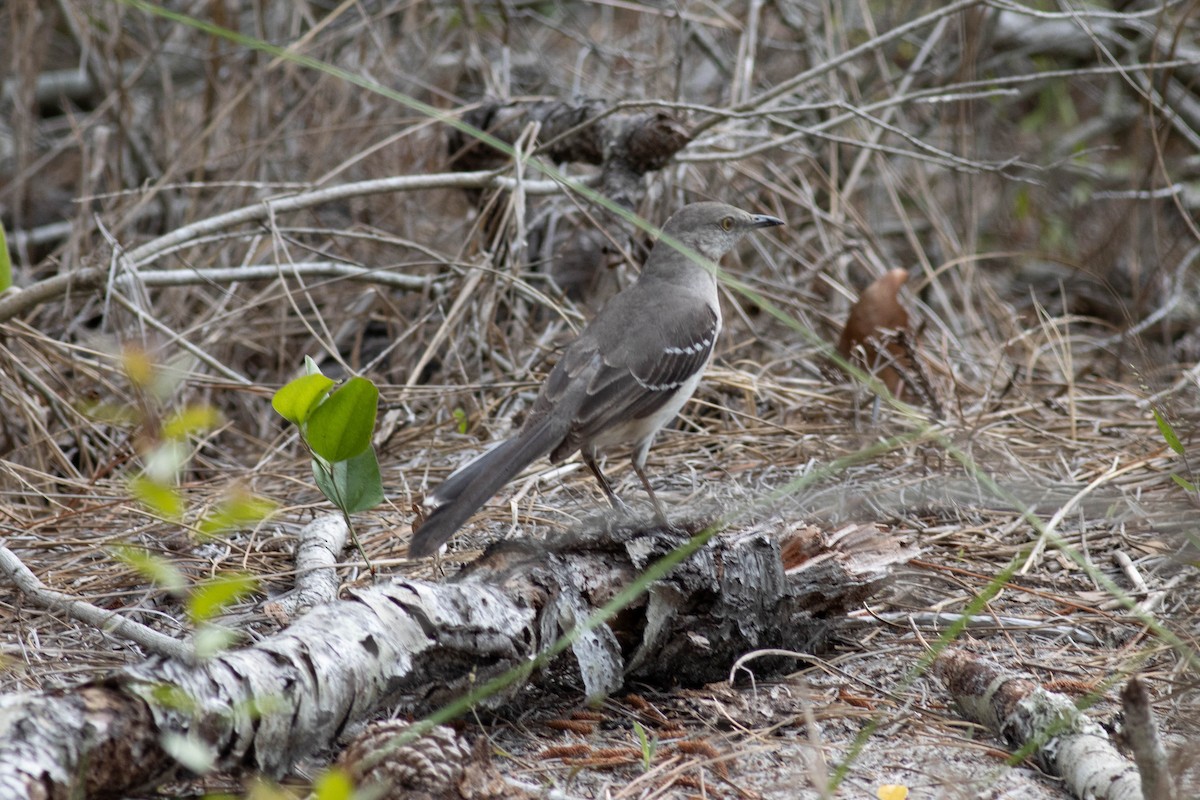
{"points": [[318, 546], [416, 646], [1066, 742]]}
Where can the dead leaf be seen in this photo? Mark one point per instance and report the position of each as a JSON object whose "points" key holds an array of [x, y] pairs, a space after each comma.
{"points": [[875, 329]]}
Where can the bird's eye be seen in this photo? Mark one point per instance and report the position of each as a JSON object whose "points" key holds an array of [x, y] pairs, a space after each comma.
{"points": [[727, 223]]}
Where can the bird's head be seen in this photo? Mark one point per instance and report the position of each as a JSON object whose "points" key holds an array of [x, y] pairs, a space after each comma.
{"points": [[712, 229]]}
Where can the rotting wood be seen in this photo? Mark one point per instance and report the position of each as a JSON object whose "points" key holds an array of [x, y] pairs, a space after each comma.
{"points": [[1064, 740], [624, 143], [416, 646]]}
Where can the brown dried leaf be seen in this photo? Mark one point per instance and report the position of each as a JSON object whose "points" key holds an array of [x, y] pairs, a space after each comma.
{"points": [[875, 323]]}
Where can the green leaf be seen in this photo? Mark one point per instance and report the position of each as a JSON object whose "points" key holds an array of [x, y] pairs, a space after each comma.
{"points": [[1168, 433], [6, 279], [354, 485], [323, 474], [647, 745], [261, 706], [239, 511], [190, 420], [212, 640], [138, 365], [213, 595], [1187, 485], [166, 501], [169, 375], [174, 698], [1022, 203], [263, 789], [108, 413], [189, 751], [341, 427], [310, 366], [460, 417], [333, 784], [155, 569], [297, 399], [165, 460]]}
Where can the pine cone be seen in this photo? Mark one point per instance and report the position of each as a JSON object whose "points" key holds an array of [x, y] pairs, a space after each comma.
{"points": [[432, 764]]}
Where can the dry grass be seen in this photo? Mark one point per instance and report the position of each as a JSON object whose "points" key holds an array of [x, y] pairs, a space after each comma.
{"points": [[1056, 297]]}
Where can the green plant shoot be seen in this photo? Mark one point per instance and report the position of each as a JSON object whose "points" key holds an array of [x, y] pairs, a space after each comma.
{"points": [[336, 426]]}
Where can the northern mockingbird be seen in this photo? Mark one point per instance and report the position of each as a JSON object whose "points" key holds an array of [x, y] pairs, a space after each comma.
{"points": [[628, 374]]}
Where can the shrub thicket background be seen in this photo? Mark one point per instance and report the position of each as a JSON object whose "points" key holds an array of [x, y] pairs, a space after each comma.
{"points": [[1034, 167]]}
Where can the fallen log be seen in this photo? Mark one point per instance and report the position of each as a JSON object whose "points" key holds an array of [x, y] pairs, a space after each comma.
{"points": [[417, 646], [1040, 723]]}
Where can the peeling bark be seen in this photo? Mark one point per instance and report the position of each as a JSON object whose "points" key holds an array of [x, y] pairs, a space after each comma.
{"points": [[94, 741], [1064, 740], [418, 645], [317, 548], [1141, 731]]}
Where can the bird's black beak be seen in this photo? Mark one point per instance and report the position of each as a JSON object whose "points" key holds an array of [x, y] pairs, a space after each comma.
{"points": [[764, 221]]}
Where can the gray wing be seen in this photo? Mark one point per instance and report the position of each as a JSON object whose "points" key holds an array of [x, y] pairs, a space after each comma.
{"points": [[630, 380]]}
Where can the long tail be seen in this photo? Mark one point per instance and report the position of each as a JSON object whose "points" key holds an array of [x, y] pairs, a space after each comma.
{"points": [[473, 485]]}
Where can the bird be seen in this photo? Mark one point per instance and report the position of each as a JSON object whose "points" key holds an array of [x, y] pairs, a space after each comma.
{"points": [[627, 375]]}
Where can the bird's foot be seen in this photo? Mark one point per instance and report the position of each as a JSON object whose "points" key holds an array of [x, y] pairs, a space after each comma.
{"points": [[620, 506]]}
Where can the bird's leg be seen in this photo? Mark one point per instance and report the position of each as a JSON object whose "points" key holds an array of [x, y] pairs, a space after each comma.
{"points": [[613, 500], [658, 509]]}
